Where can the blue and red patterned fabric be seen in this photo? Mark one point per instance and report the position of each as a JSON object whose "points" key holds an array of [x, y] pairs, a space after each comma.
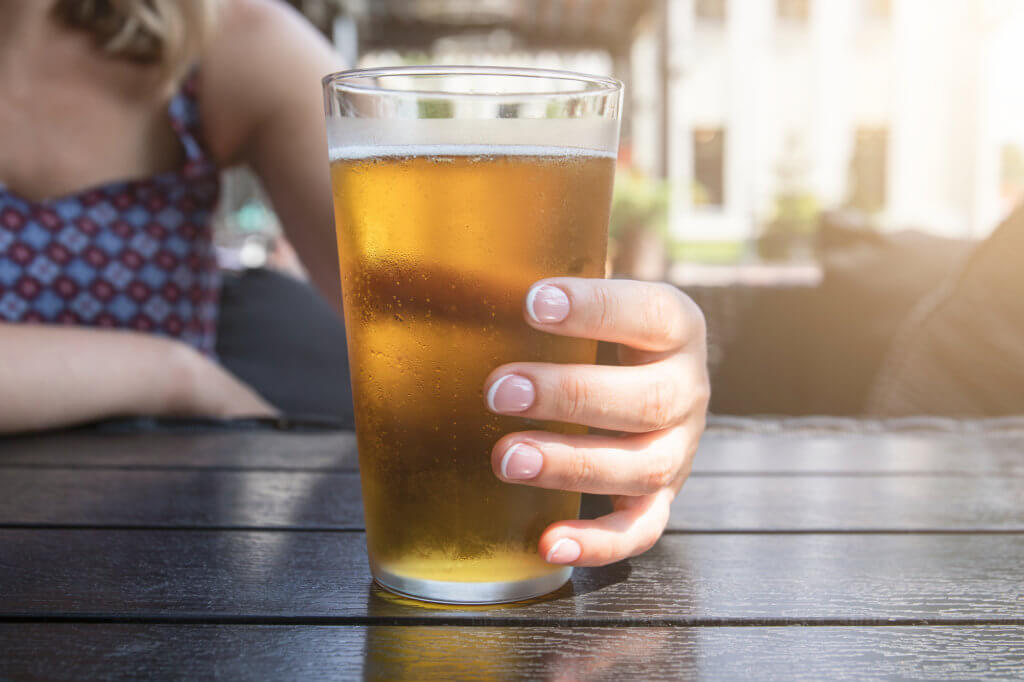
{"points": [[135, 254]]}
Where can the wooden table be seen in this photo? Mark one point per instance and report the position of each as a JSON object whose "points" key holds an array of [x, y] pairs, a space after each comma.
{"points": [[813, 549]]}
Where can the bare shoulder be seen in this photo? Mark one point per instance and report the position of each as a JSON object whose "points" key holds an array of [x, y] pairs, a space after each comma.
{"points": [[264, 62]]}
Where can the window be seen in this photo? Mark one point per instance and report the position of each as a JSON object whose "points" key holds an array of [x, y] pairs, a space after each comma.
{"points": [[711, 11], [868, 170], [794, 11], [708, 167]]}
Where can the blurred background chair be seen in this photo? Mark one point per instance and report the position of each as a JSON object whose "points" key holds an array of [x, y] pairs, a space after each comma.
{"points": [[802, 350]]}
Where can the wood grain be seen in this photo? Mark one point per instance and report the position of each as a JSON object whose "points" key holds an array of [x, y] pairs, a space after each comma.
{"points": [[198, 652], [193, 498], [864, 503], [250, 449], [240, 555], [685, 580], [309, 499], [721, 451], [974, 454]]}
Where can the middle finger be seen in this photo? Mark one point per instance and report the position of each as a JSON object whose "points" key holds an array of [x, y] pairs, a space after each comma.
{"points": [[638, 399]]}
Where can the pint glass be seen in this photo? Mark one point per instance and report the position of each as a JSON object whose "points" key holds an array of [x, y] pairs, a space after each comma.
{"points": [[455, 189]]}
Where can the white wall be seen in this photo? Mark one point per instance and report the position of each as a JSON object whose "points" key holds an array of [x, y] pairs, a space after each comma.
{"points": [[644, 91], [924, 75]]}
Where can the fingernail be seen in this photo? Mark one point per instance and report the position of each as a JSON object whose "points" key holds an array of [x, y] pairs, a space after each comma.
{"points": [[565, 551], [521, 462], [546, 304], [511, 393]]}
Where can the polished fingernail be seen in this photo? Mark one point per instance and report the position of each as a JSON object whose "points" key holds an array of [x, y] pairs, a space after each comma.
{"points": [[565, 551], [510, 393], [521, 463], [546, 304]]}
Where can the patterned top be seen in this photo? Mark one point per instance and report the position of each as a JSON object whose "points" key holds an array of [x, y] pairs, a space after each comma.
{"points": [[134, 254]]}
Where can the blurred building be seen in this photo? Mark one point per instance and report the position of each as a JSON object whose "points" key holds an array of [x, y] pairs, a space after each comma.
{"points": [[908, 111], [895, 108]]}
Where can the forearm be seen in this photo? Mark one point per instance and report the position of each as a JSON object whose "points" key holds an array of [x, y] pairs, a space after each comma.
{"points": [[55, 376]]}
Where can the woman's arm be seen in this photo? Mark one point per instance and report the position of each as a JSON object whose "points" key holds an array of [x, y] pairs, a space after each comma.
{"points": [[59, 376], [262, 106]]}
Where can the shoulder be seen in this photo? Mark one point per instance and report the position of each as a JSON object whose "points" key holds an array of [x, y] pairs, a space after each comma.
{"points": [[264, 60]]}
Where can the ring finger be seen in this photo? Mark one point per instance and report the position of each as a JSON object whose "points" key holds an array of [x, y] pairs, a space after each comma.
{"points": [[637, 399], [631, 465]]}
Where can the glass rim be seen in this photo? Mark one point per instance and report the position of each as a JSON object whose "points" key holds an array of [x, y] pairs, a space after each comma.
{"points": [[591, 85]]}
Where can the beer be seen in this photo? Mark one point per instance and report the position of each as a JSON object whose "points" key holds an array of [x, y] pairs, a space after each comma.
{"points": [[455, 189], [438, 245]]}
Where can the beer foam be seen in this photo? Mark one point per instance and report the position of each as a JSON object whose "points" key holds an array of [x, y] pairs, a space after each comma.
{"points": [[356, 138], [398, 151]]}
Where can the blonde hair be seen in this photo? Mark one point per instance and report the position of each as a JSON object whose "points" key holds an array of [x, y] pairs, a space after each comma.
{"points": [[170, 33]]}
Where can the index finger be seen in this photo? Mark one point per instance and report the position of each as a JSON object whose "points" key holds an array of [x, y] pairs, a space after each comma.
{"points": [[649, 316]]}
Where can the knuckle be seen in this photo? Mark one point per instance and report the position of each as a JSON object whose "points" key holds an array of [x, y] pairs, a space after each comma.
{"points": [[662, 315], [700, 397], [604, 308], [686, 469], [573, 396], [661, 473], [658, 406], [703, 397], [609, 553], [687, 321], [578, 471], [688, 308], [648, 540], [698, 321]]}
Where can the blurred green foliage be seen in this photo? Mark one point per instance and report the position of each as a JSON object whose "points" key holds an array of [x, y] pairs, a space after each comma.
{"points": [[709, 252], [699, 194], [638, 202], [795, 213]]}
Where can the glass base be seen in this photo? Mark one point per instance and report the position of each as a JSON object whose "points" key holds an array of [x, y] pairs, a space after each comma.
{"points": [[445, 592]]}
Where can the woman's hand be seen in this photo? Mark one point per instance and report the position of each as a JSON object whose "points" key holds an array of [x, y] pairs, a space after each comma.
{"points": [[204, 388], [658, 400], [71, 375]]}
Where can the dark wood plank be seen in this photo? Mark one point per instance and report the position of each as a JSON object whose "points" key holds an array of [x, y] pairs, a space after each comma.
{"points": [[833, 502], [255, 449], [684, 580], [180, 498], [199, 652], [722, 451], [327, 500], [961, 454]]}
